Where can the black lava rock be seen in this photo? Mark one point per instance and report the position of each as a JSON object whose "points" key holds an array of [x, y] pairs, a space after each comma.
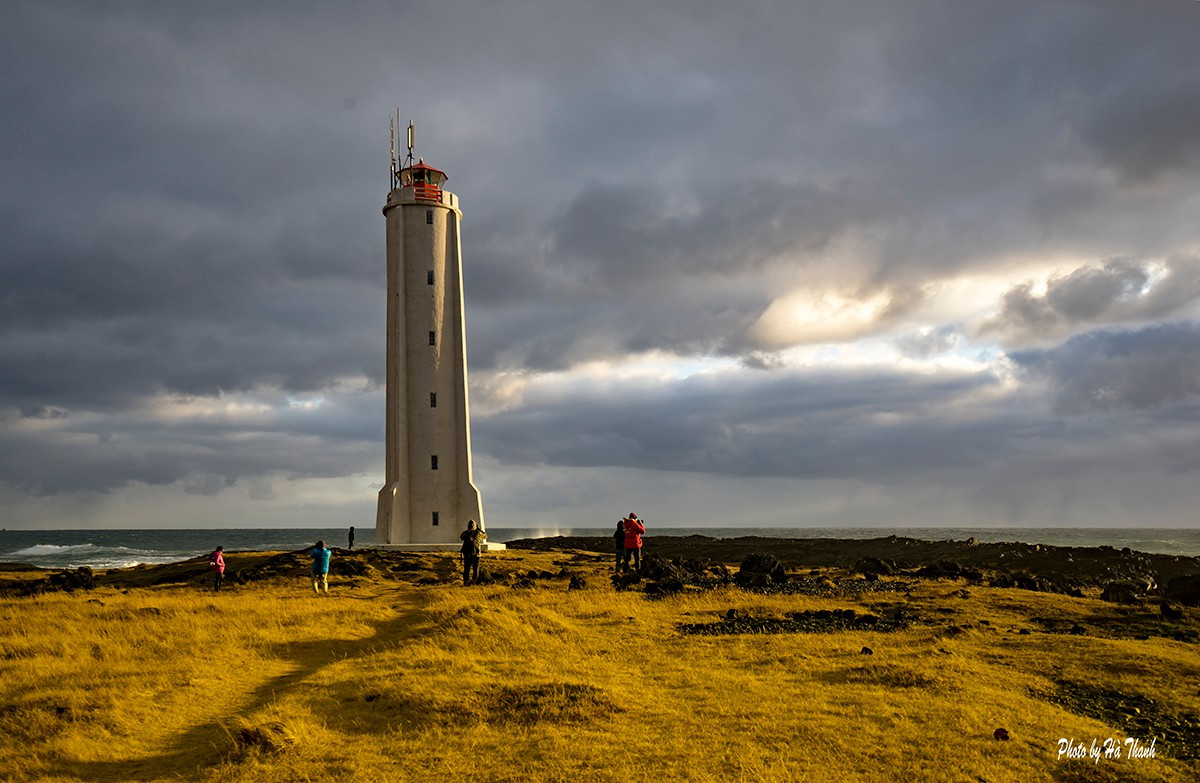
{"points": [[757, 566], [1119, 593], [1184, 590], [1170, 612], [872, 565]]}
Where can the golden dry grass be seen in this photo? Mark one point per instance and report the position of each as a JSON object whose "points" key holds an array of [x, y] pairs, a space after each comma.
{"points": [[396, 682]]}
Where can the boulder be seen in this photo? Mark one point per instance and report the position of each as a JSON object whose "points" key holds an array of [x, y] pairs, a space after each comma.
{"points": [[942, 568], [79, 579], [1184, 590], [659, 568], [1120, 593], [757, 566], [1025, 582], [754, 580], [721, 573], [1170, 612], [625, 580], [872, 565]]}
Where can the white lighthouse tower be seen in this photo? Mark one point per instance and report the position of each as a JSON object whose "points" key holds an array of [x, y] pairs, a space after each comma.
{"points": [[428, 493]]}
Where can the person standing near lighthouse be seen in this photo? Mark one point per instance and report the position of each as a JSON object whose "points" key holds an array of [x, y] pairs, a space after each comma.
{"points": [[634, 529], [216, 563], [320, 568], [472, 549]]}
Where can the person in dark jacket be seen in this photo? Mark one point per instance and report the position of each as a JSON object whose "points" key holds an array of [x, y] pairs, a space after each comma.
{"points": [[619, 543], [351, 537], [472, 547], [633, 541]]}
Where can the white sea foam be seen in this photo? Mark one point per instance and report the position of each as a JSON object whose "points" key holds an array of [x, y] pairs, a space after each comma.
{"points": [[106, 563], [51, 549], [92, 556]]}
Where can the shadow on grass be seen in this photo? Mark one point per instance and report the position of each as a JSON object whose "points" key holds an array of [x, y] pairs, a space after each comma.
{"points": [[212, 743]]}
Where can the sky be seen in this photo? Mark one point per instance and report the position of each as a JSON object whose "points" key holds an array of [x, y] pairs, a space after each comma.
{"points": [[767, 264]]}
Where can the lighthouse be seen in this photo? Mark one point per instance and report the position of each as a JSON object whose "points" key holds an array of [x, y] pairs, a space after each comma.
{"points": [[428, 494]]}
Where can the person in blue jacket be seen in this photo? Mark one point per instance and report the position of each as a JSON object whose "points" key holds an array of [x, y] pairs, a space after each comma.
{"points": [[320, 568]]}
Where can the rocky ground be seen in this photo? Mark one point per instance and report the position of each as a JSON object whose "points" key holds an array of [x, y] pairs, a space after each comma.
{"points": [[1125, 573]]}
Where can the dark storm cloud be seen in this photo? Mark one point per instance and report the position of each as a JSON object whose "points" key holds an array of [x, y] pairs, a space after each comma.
{"points": [[172, 226], [198, 451], [1017, 450], [1143, 369], [290, 338], [619, 238], [1146, 135], [796, 425], [965, 430]]}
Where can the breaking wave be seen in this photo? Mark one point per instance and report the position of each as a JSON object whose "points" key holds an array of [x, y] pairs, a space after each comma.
{"points": [[90, 555]]}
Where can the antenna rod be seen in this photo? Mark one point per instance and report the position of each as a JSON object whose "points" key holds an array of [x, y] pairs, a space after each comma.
{"points": [[392, 155], [410, 140]]}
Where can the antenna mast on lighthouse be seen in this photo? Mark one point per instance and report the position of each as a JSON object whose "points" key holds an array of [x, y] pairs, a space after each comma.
{"points": [[395, 163]]}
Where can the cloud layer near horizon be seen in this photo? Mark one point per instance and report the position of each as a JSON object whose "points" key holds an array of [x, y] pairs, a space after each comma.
{"points": [[943, 257]]}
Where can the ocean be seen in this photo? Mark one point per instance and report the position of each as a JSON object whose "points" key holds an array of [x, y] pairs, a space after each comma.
{"points": [[102, 549]]}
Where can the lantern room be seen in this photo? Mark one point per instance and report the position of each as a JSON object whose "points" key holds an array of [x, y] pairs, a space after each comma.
{"points": [[425, 181]]}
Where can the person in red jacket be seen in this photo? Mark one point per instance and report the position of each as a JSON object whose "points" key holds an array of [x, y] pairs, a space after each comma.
{"points": [[216, 562], [633, 542]]}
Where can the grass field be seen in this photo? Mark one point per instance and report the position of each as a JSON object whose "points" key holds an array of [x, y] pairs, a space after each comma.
{"points": [[392, 681]]}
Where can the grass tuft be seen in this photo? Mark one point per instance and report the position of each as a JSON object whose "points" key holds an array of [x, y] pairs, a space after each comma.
{"points": [[270, 737], [553, 702]]}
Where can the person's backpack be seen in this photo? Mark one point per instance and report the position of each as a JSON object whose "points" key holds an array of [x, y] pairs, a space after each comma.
{"points": [[470, 547]]}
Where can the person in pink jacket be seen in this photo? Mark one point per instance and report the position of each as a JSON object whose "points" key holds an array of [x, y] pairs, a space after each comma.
{"points": [[633, 542], [216, 563]]}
